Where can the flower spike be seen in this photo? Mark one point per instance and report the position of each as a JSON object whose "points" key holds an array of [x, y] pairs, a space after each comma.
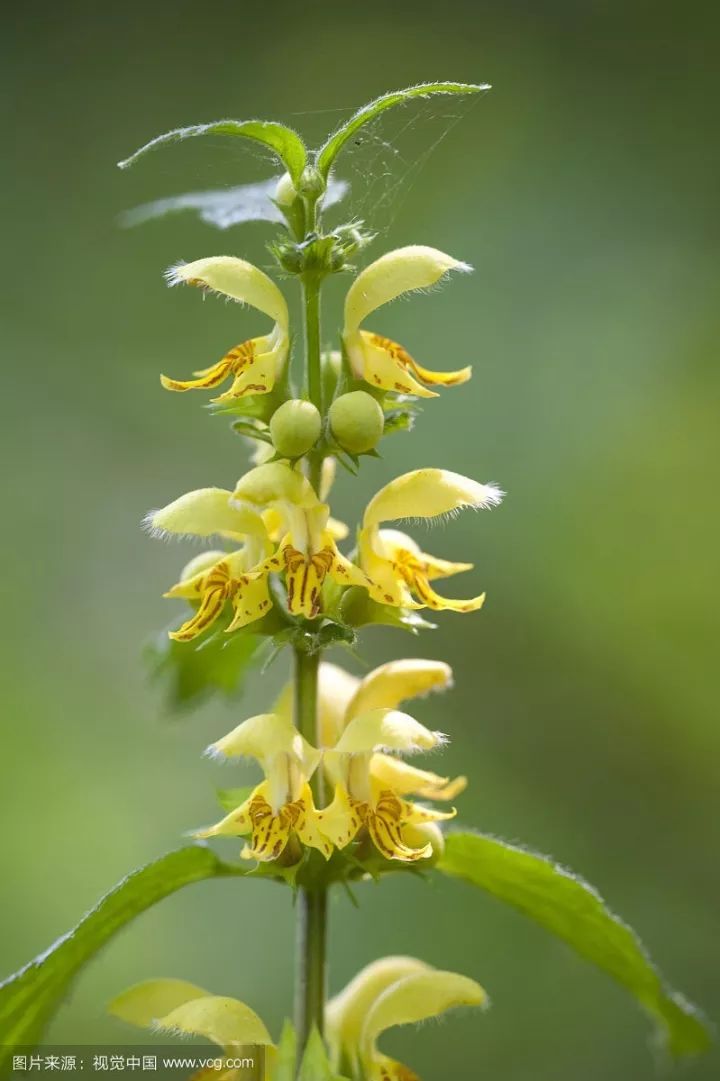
{"points": [[256, 364], [380, 361]]}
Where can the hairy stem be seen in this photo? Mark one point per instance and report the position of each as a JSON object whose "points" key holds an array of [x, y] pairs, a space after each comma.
{"points": [[310, 973], [311, 297]]}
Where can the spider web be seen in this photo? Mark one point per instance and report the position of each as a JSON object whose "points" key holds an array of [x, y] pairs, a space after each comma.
{"points": [[386, 157], [380, 165]]}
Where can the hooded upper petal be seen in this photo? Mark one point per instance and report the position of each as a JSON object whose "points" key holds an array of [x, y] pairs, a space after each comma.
{"points": [[392, 683], [404, 270], [414, 997], [145, 1002], [345, 1013], [237, 279], [274, 483], [428, 493], [225, 1021], [389, 729], [203, 513], [266, 736]]}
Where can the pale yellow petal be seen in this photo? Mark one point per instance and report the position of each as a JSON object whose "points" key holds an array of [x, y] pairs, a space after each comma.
{"points": [[237, 279], [272, 483], [258, 376], [386, 729], [225, 1021], [202, 513], [438, 603], [392, 543], [340, 820], [336, 688], [237, 823], [413, 998], [392, 683], [374, 360], [209, 378], [386, 820], [404, 270], [199, 570], [211, 606], [342, 570], [251, 601], [144, 1003], [408, 780], [337, 530], [346, 1012], [327, 476], [265, 736], [428, 493], [308, 824]]}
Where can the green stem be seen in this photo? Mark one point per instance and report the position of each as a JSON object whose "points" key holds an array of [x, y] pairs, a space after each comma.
{"points": [[311, 966], [311, 296]]}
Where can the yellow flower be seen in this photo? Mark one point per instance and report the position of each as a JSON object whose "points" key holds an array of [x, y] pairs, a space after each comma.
{"points": [[214, 578], [256, 364], [342, 697], [176, 1006], [282, 804], [398, 570], [358, 722], [306, 551], [377, 360], [285, 529], [391, 991]]}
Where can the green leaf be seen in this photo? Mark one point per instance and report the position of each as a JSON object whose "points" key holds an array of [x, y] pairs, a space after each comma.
{"points": [[571, 909], [358, 609], [29, 999], [283, 141], [213, 663], [315, 1064], [333, 146], [286, 1055]]}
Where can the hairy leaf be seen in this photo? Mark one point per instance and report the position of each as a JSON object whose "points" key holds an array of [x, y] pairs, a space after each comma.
{"points": [[29, 999], [283, 141], [213, 663], [329, 152], [571, 909]]}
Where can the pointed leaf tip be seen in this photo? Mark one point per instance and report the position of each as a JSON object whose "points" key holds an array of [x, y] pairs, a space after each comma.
{"points": [[30, 998], [570, 908], [285, 143], [332, 147]]}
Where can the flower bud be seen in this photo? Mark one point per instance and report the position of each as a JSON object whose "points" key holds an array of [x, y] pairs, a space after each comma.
{"points": [[285, 193], [311, 185], [356, 420], [295, 428]]}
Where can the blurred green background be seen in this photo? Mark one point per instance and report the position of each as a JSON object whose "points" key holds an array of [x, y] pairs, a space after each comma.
{"points": [[584, 191]]}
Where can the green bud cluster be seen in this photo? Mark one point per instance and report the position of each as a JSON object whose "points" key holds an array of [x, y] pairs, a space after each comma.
{"points": [[320, 254]]}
